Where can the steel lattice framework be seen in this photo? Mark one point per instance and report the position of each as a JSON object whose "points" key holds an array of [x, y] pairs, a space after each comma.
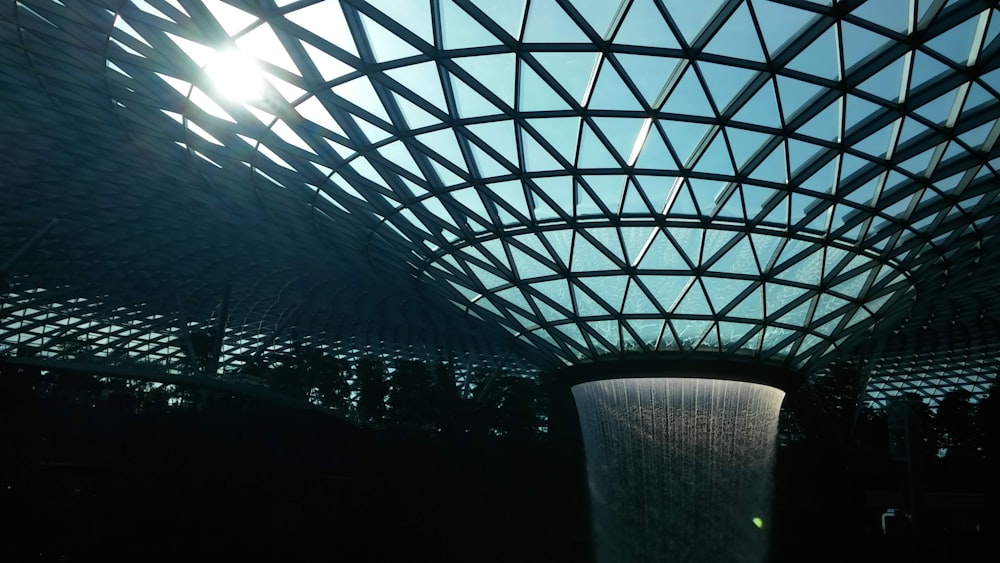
{"points": [[553, 181]]}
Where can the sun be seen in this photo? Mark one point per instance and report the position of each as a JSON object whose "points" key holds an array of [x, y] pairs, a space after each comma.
{"points": [[235, 75]]}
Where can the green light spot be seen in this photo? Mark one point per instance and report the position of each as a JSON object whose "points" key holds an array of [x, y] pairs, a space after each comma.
{"points": [[758, 522]]}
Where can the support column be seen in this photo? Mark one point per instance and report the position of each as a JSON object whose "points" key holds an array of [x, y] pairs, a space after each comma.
{"points": [[679, 469]]}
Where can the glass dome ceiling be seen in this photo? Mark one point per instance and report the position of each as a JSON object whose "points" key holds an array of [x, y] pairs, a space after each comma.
{"points": [[769, 180]]}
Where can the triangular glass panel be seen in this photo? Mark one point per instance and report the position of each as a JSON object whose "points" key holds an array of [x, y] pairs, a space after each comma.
{"points": [[572, 70], [806, 270], [666, 290], [778, 215], [723, 291], [499, 135], [326, 20], [956, 43], [654, 154], [778, 296], [636, 240], [761, 109], [486, 165], [797, 316], [494, 72], [859, 44], [386, 45], [644, 26], [648, 331], [724, 82], [469, 198], [621, 132], [825, 125], [611, 93], [414, 16], [886, 83], [691, 18], [858, 111], [587, 258], [599, 15], [561, 243], [469, 102], [893, 15], [795, 95], [547, 22], [561, 132], [606, 331], [607, 190], [688, 97], [939, 109], [594, 153], [558, 190], [976, 137], [737, 38], [731, 333], [851, 287], [707, 194], [755, 200], [668, 341], [459, 30], [536, 157], [780, 23], [361, 93], [715, 160], [875, 144], [444, 143], [744, 144], [690, 332], [683, 202], [610, 289], [738, 260], [752, 306], [694, 302], [684, 137], [586, 306], [608, 238], [774, 168], [423, 80], [637, 302], [537, 94], [710, 343], [822, 181], [230, 18], [828, 304], [329, 68], [262, 44], [508, 15], [662, 255], [527, 266], [689, 242], [415, 116], [925, 68], [649, 73], [819, 58], [634, 202], [556, 290]]}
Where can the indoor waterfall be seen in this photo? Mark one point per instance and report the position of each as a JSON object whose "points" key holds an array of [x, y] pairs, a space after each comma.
{"points": [[679, 469]]}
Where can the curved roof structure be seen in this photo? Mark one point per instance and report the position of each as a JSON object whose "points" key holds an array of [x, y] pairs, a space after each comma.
{"points": [[554, 181]]}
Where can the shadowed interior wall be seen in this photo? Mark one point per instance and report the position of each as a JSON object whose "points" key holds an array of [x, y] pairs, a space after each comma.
{"points": [[679, 469]]}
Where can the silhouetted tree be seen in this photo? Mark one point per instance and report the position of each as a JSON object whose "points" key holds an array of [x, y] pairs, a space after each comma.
{"points": [[411, 395], [329, 377], [955, 425], [372, 390], [517, 412], [203, 343]]}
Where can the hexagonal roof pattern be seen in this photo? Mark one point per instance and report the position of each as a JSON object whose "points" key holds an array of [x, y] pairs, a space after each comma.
{"points": [[558, 181]]}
